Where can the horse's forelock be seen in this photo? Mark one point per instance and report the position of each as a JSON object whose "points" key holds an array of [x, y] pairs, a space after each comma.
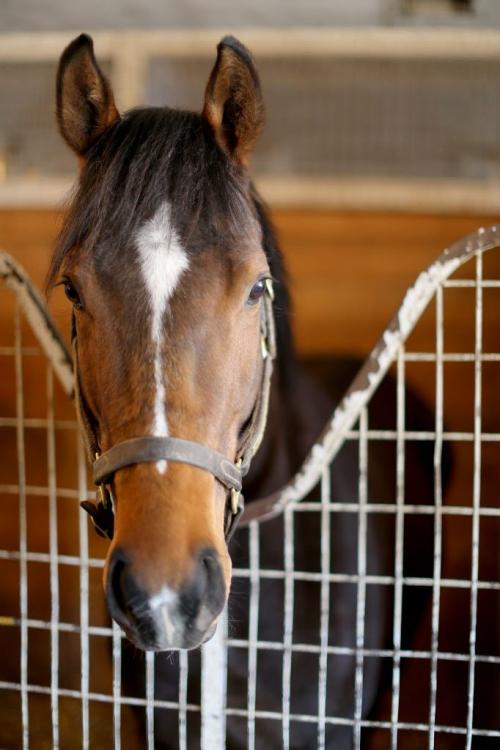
{"points": [[149, 156]]}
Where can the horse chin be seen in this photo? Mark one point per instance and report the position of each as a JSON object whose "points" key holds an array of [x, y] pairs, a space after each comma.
{"points": [[149, 640]]}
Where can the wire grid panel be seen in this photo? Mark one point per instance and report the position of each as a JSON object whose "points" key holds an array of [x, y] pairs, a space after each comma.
{"points": [[67, 676], [364, 613], [386, 573], [326, 116]]}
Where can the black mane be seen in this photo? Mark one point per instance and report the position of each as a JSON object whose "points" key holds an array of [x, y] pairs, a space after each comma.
{"points": [[149, 156], [282, 304]]}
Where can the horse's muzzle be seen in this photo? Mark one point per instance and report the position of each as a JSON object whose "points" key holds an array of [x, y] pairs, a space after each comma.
{"points": [[168, 619]]}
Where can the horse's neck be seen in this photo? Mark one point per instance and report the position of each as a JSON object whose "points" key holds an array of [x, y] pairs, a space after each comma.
{"points": [[297, 414]]}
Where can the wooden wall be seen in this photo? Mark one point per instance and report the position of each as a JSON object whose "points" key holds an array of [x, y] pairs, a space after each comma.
{"points": [[349, 271]]}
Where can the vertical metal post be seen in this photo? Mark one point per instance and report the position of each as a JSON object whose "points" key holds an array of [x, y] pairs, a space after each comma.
{"points": [[183, 684], [325, 605], [84, 595], [253, 626], [476, 495], [438, 518], [23, 564], [150, 697], [399, 542], [117, 686], [213, 688], [54, 572], [288, 624], [361, 596]]}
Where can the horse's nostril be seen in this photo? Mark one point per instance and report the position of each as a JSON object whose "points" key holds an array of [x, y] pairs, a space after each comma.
{"points": [[115, 588], [209, 561], [205, 588], [215, 590], [128, 603]]}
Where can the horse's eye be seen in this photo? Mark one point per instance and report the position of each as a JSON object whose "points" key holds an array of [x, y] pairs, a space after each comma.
{"points": [[257, 291], [72, 294]]}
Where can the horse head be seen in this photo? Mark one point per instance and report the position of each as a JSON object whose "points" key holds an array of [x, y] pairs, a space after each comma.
{"points": [[162, 258]]}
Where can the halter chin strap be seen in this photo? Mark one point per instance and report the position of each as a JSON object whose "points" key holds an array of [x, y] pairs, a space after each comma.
{"points": [[152, 449]]}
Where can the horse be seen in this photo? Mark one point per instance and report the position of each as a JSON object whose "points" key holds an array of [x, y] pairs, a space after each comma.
{"points": [[177, 284]]}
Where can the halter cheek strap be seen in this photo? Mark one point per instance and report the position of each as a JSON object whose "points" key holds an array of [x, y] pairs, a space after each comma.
{"points": [[152, 449]]}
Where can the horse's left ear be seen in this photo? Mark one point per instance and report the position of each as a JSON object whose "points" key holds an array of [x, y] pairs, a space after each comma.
{"points": [[233, 100], [85, 103]]}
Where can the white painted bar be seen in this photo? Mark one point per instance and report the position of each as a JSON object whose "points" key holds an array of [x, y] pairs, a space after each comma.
{"points": [[53, 552], [253, 632], [324, 606], [150, 696], [183, 685], [415, 195], [117, 685], [476, 499], [83, 562], [399, 546], [288, 606], [332, 42], [213, 688], [361, 583], [438, 516]]}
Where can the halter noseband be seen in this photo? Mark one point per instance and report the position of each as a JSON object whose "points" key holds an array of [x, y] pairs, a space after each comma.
{"points": [[152, 449]]}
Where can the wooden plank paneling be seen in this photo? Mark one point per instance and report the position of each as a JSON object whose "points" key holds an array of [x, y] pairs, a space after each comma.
{"points": [[349, 271]]}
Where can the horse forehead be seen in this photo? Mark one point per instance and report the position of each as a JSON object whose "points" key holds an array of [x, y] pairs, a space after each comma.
{"points": [[162, 257]]}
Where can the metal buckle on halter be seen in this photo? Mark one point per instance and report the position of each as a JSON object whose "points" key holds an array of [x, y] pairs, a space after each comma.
{"points": [[270, 289], [236, 507], [235, 500], [101, 512], [265, 349]]}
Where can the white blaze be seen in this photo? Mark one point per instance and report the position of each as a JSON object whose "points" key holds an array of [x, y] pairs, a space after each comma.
{"points": [[163, 260]]}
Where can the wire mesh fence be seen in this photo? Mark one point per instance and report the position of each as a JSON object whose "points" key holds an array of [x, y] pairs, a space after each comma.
{"points": [[325, 117], [363, 614]]}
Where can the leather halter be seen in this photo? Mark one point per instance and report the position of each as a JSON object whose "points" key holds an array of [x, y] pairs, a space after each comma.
{"points": [[152, 449]]}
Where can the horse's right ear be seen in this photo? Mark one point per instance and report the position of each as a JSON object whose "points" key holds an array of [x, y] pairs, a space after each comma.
{"points": [[85, 103]]}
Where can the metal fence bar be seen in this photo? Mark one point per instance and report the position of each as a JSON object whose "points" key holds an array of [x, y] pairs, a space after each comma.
{"points": [[456, 583], [471, 284], [287, 624], [438, 520], [306, 648], [23, 565], [213, 688], [53, 548], [310, 648], [96, 696], [476, 496], [361, 593], [276, 646], [150, 696], [253, 631], [304, 507], [183, 684], [351, 434], [84, 595], [261, 714], [324, 606], [274, 715], [399, 541], [117, 685]]}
